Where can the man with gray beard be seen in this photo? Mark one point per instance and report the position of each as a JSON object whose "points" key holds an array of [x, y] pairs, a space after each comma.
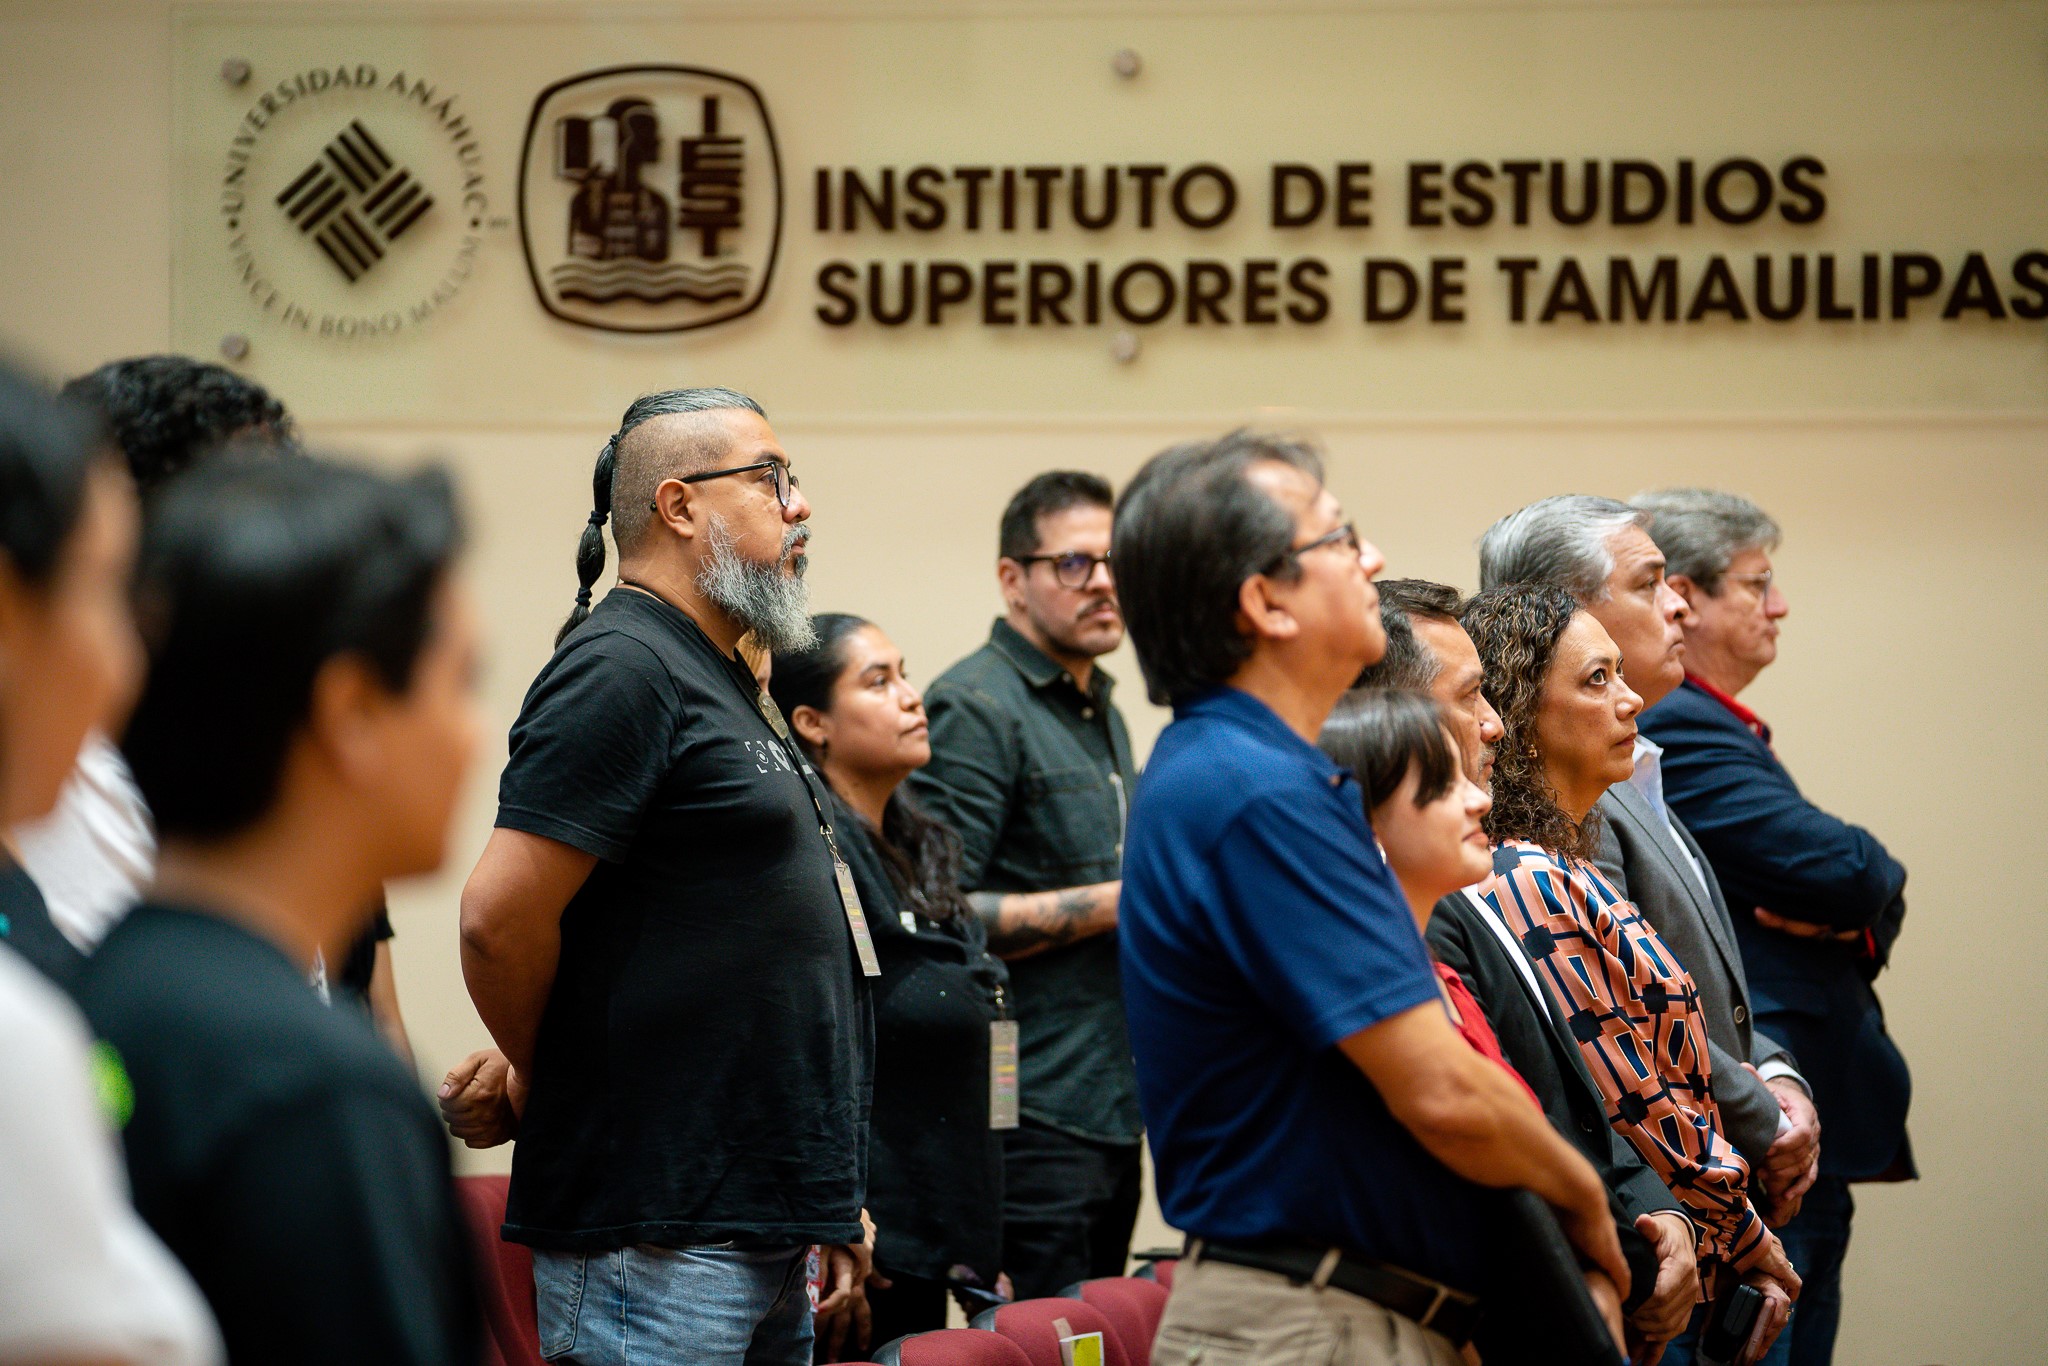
{"points": [[655, 934]]}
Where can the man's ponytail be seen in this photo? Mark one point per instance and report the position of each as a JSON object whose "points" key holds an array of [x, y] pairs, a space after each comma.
{"points": [[590, 549], [643, 474]]}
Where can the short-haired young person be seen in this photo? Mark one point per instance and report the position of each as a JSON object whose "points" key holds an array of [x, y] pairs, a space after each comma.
{"points": [[1427, 815], [1818, 902], [1031, 764], [1466, 935], [93, 856], [302, 737], [1319, 1129], [81, 1278], [655, 934]]}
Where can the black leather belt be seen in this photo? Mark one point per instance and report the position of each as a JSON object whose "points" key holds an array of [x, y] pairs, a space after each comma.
{"points": [[1432, 1304]]}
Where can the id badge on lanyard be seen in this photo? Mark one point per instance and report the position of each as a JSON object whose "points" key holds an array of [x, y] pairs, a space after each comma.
{"points": [[849, 899], [1002, 1068]]}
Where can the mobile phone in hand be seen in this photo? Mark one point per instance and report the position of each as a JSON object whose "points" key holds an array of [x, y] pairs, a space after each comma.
{"points": [[1726, 1338]]}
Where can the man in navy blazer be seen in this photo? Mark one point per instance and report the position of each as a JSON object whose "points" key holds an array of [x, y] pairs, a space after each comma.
{"points": [[1817, 902]]}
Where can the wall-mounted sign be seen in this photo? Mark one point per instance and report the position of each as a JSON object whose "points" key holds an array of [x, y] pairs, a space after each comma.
{"points": [[650, 199], [525, 211], [353, 199]]}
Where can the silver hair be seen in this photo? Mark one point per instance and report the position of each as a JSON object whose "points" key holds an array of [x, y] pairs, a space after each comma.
{"points": [[1701, 530], [1561, 542], [775, 606]]}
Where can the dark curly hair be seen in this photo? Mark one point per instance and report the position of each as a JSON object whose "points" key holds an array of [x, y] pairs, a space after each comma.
{"points": [[165, 412], [1516, 628], [921, 854]]}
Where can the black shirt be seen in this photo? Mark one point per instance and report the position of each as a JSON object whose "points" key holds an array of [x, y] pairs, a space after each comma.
{"points": [[935, 1168], [1034, 775], [353, 981], [703, 1066], [26, 927], [280, 1150]]}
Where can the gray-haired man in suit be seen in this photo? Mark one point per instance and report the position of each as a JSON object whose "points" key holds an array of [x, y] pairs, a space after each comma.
{"points": [[1600, 551]]}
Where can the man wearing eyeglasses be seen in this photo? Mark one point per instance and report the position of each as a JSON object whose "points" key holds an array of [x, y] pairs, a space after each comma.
{"points": [[1031, 765], [656, 937], [1817, 901]]}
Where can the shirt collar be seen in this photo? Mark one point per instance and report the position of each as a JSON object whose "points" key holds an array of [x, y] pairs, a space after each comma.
{"points": [[1735, 708], [1648, 778], [1040, 669], [1241, 708]]}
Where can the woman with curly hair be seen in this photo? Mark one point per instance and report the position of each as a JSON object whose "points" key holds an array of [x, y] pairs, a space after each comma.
{"points": [[1555, 677]]}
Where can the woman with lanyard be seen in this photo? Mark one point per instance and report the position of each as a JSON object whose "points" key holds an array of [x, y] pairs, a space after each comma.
{"points": [[945, 1055]]}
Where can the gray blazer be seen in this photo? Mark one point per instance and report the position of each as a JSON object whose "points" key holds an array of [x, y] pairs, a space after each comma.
{"points": [[1643, 867]]}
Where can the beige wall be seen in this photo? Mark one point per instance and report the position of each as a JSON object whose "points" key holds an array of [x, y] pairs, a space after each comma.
{"points": [[1907, 695]]}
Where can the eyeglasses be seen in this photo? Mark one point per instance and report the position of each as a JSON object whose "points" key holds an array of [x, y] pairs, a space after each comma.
{"points": [[1073, 569], [785, 479], [1346, 536], [1759, 584]]}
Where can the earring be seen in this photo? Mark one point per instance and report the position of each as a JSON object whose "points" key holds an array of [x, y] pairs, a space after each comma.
{"points": [[824, 750]]}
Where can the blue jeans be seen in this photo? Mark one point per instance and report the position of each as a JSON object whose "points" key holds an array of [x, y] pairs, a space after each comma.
{"points": [[718, 1306]]}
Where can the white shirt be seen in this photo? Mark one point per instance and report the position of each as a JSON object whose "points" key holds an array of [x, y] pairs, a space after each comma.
{"points": [[1648, 779], [93, 855], [80, 1274]]}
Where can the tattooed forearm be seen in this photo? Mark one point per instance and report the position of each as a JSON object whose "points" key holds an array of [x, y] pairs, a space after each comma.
{"points": [[1020, 924]]}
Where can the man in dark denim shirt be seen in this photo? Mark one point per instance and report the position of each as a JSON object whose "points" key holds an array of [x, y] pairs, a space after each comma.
{"points": [[1031, 765]]}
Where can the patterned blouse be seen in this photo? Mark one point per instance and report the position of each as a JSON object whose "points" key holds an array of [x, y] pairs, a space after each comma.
{"points": [[1636, 1014]]}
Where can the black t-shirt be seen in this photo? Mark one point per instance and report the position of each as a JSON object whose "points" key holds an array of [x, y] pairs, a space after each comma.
{"points": [[935, 1168], [360, 966], [26, 927], [703, 1066], [280, 1150]]}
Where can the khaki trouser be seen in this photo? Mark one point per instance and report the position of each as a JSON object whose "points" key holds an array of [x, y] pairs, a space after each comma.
{"points": [[1223, 1315]]}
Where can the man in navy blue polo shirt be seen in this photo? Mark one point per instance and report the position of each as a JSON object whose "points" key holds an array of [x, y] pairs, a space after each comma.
{"points": [[1320, 1130]]}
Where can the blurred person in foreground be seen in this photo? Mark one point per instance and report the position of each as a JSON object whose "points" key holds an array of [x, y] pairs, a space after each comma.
{"points": [[1818, 902], [1568, 715], [1319, 1128], [82, 1279], [93, 856], [301, 737], [1428, 652], [935, 1152]]}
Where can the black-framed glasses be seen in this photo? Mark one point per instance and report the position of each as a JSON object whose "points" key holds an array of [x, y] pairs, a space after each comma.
{"points": [[785, 479], [1346, 536], [1073, 568]]}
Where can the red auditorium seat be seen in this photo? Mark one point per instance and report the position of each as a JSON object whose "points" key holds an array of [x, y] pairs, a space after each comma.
{"points": [[1160, 1271], [952, 1347], [1131, 1305], [504, 1274], [1029, 1324]]}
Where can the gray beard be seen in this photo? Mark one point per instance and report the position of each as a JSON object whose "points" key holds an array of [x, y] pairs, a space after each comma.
{"points": [[774, 606]]}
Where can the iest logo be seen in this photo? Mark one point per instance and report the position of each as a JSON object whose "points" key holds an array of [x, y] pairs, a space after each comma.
{"points": [[650, 199]]}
